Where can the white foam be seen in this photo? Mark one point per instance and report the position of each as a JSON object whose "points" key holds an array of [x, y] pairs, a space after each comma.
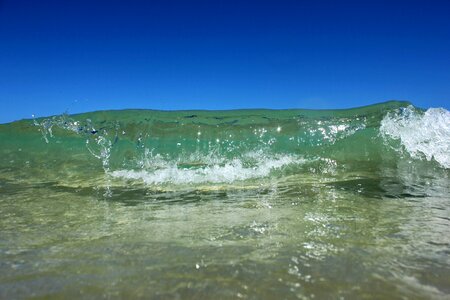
{"points": [[423, 135], [227, 172]]}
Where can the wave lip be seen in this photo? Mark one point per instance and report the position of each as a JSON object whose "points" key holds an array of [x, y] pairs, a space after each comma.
{"points": [[423, 135]]}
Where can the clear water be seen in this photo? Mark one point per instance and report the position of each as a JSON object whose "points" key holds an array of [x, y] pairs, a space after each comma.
{"points": [[350, 204]]}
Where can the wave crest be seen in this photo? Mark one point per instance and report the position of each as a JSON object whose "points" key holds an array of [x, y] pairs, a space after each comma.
{"points": [[423, 135]]}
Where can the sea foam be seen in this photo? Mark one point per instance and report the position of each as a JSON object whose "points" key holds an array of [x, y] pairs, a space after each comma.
{"points": [[423, 135], [160, 171]]}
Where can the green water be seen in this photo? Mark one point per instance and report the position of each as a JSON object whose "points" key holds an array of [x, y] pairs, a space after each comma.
{"points": [[251, 204]]}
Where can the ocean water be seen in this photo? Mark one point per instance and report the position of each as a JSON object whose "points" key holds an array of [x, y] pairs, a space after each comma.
{"points": [[251, 204]]}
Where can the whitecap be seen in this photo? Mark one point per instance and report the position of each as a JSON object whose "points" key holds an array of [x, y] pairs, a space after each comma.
{"points": [[423, 135]]}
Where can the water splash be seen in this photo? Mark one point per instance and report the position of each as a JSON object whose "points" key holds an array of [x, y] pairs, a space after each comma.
{"points": [[423, 135], [97, 143]]}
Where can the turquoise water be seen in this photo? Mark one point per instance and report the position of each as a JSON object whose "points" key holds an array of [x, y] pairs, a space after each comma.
{"points": [[252, 204]]}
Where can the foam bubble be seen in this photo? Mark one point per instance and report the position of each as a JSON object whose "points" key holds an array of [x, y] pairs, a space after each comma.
{"points": [[423, 135], [225, 172]]}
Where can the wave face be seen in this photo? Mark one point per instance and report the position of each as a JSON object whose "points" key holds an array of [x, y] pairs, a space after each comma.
{"points": [[158, 148]]}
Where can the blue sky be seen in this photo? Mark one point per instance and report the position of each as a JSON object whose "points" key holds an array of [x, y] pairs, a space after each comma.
{"points": [[75, 56]]}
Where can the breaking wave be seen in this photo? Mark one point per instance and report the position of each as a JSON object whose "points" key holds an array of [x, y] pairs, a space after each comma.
{"points": [[424, 135], [196, 147]]}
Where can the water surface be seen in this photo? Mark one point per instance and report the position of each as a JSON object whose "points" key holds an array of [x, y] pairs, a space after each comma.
{"points": [[252, 204]]}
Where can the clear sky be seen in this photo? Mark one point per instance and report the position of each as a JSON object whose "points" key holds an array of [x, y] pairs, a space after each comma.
{"points": [[76, 56]]}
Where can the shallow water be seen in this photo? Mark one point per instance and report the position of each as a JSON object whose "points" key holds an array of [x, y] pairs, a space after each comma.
{"points": [[236, 204]]}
